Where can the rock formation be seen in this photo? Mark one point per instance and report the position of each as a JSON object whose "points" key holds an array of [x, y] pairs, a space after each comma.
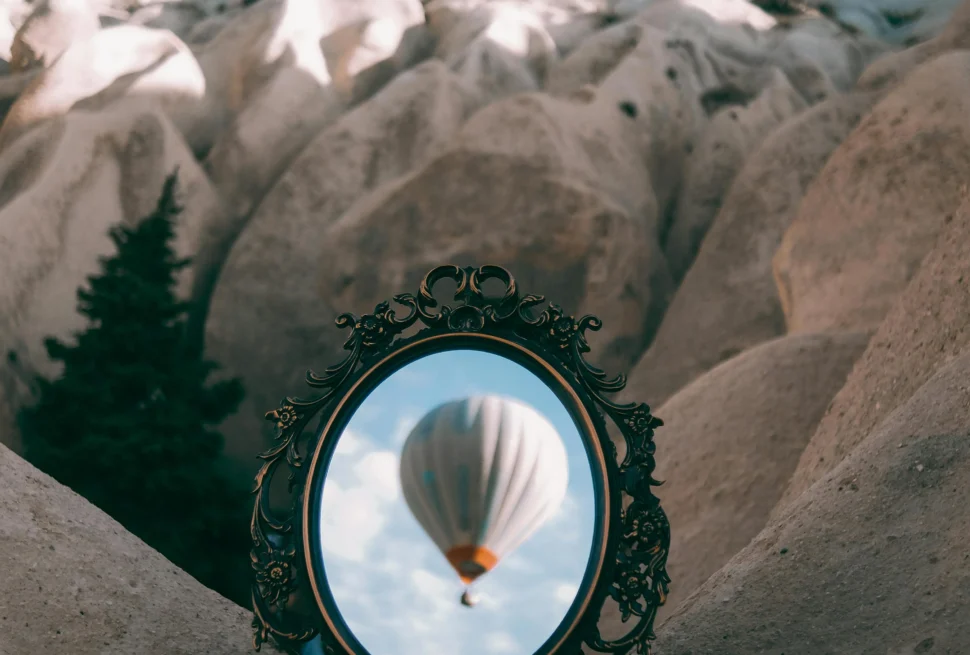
{"points": [[728, 301], [734, 437], [75, 581], [869, 559], [766, 203], [879, 204], [924, 329]]}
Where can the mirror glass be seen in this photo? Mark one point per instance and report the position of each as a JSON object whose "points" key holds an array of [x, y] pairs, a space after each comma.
{"points": [[458, 510]]}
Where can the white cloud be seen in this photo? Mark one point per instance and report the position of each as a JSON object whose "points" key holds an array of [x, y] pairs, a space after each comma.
{"points": [[413, 376], [403, 428], [351, 519], [516, 562], [564, 593], [472, 389], [368, 411], [350, 443], [395, 588], [434, 589], [568, 510], [501, 643], [379, 472], [357, 499]]}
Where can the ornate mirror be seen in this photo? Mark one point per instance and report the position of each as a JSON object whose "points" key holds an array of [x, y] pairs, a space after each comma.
{"points": [[453, 488]]}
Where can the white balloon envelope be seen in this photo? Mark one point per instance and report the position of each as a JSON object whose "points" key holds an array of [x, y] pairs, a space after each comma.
{"points": [[481, 475]]}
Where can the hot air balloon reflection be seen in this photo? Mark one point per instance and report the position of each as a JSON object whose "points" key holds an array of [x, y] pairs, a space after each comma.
{"points": [[481, 475]]}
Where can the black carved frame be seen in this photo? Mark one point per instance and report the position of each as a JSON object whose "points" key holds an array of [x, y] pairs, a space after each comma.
{"points": [[632, 569]]}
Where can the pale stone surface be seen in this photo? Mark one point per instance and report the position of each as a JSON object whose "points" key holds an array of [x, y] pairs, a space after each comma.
{"points": [[571, 32], [11, 86], [879, 204], [273, 35], [369, 40], [262, 140], [729, 12], [888, 71], [177, 17], [721, 54], [205, 30], [871, 559], [657, 117], [716, 159], [730, 442], [127, 61], [728, 301], [49, 30], [899, 22], [7, 34], [593, 59], [926, 328], [76, 582], [501, 47], [820, 59]]}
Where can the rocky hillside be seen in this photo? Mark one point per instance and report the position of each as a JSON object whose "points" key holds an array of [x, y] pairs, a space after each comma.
{"points": [[766, 202]]}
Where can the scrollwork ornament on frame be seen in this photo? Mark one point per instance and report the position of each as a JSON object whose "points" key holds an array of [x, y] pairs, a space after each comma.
{"points": [[635, 579]]}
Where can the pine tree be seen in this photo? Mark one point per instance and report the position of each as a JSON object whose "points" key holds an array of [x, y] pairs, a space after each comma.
{"points": [[128, 424]]}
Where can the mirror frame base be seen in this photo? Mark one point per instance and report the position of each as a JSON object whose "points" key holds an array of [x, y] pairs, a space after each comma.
{"points": [[632, 573]]}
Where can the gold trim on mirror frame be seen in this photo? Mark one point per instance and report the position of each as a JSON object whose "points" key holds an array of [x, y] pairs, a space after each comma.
{"points": [[631, 565]]}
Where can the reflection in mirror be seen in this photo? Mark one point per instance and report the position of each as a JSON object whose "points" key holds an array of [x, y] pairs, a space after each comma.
{"points": [[458, 510]]}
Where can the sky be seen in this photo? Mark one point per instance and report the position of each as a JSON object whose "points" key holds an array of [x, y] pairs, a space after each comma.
{"points": [[391, 584]]}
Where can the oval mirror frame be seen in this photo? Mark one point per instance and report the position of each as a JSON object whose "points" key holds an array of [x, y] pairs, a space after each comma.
{"points": [[292, 601]]}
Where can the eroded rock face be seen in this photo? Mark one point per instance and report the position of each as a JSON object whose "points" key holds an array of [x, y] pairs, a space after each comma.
{"points": [[65, 184], [273, 127], [500, 47], [879, 204], [272, 35], [49, 30], [810, 62], [7, 34], [728, 301], [290, 85], [11, 86], [899, 22], [560, 236], [131, 62], [541, 187], [821, 59], [715, 160], [871, 559], [685, 44], [721, 54], [402, 126], [177, 17], [205, 30], [888, 71], [593, 59], [75, 581], [926, 328], [730, 12], [730, 442], [365, 34]]}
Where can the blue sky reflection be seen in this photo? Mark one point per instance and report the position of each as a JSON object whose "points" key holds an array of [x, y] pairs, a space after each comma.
{"points": [[393, 587]]}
